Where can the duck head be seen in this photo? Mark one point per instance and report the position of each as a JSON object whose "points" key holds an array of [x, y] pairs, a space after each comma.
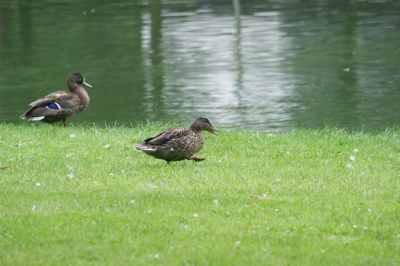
{"points": [[75, 79], [201, 124]]}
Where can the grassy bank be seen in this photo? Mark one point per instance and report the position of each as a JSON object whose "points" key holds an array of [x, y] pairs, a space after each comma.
{"points": [[82, 196]]}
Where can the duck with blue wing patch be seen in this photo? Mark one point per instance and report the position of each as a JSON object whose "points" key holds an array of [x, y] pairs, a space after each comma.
{"points": [[60, 105], [177, 144]]}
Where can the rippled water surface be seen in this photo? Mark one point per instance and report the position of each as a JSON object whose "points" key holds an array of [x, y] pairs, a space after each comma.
{"points": [[256, 65]]}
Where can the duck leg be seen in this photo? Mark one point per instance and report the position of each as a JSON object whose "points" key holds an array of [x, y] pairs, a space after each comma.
{"points": [[65, 122], [196, 159]]}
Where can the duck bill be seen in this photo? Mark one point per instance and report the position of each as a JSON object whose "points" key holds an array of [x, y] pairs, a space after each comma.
{"points": [[213, 129], [86, 84]]}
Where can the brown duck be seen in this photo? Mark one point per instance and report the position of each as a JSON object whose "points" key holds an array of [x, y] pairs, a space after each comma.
{"points": [[60, 105], [176, 144]]}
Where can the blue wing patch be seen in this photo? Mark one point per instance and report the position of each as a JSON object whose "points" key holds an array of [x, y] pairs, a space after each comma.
{"points": [[54, 106]]}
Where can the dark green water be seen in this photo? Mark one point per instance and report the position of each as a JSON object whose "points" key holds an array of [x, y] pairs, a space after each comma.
{"points": [[258, 65]]}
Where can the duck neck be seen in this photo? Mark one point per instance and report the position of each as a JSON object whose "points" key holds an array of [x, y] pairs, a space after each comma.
{"points": [[72, 85], [196, 128], [81, 91]]}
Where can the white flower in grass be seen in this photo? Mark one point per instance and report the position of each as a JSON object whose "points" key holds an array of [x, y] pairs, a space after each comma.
{"points": [[352, 158], [151, 184], [71, 175], [355, 150], [349, 166], [157, 256], [69, 155], [107, 146], [355, 226], [237, 243], [195, 215], [72, 136], [38, 184], [215, 202], [33, 207]]}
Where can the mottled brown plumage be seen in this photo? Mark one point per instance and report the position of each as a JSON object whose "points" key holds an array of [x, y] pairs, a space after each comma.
{"points": [[176, 144], [60, 105]]}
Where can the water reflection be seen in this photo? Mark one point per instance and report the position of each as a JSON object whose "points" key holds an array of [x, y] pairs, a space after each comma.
{"points": [[246, 64]]}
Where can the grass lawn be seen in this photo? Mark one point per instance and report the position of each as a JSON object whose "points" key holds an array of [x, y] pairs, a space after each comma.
{"points": [[82, 196]]}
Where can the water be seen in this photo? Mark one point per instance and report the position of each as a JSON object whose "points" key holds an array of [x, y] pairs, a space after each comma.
{"points": [[255, 65]]}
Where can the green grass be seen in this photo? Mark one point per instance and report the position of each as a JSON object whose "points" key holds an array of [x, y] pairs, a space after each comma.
{"points": [[82, 196]]}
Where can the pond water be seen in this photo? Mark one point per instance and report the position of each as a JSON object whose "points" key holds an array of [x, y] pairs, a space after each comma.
{"points": [[254, 65]]}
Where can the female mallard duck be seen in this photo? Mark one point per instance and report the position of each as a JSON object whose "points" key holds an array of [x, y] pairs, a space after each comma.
{"points": [[60, 105], [178, 144]]}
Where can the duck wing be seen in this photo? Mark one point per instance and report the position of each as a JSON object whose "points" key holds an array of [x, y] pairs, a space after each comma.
{"points": [[168, 136], [56, 103], [62, 99]]}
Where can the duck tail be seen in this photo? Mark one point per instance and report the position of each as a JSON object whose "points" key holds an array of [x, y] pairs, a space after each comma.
{"points": [[38, 118], [27, 115], [143, 147], [137, 148]]}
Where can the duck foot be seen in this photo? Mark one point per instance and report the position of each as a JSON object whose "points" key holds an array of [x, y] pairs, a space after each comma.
{"points": [[196, 159]]}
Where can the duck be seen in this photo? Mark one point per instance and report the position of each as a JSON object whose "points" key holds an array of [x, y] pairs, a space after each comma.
{"points": [[177, 144], [60, 105]]}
